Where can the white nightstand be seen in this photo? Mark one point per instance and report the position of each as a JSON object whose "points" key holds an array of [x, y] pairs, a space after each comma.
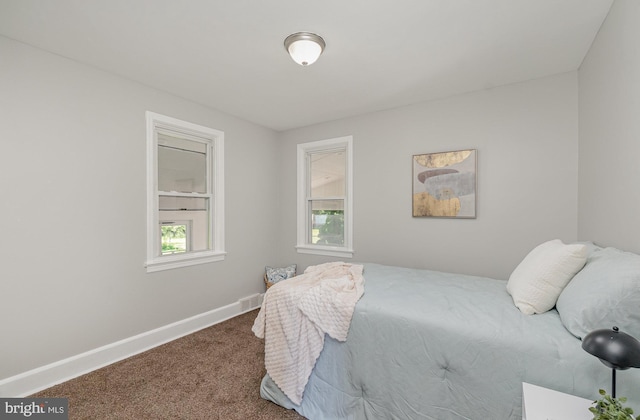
{"points": [[540, 403]]}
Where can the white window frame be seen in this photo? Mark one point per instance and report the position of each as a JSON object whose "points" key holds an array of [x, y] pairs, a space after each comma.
{"points": [[215, 173], [304, 198]]}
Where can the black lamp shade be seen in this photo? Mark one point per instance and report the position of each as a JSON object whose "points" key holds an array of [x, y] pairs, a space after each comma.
{"points": [[614, 348]]}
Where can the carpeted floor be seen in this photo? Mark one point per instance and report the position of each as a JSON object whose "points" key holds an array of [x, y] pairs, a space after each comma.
{"points": [[214, 373]]}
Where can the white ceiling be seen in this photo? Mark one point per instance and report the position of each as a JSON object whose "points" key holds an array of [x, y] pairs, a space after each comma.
{"points": [[380, 54]]}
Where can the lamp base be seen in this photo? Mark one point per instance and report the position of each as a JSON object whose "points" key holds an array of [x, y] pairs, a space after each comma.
{"points": [[613, 383]]}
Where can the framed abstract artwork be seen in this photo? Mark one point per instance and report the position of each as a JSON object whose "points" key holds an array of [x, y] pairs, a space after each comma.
{"points": [[444, 184]]}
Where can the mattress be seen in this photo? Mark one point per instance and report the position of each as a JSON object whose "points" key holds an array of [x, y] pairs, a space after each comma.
{"points": [[431, 345]]}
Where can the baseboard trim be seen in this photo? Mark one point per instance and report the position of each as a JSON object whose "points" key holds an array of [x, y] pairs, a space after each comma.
{"points": [[43, 377]]}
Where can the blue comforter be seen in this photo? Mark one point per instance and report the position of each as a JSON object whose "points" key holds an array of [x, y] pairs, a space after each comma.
{"points": [[432, 345]]}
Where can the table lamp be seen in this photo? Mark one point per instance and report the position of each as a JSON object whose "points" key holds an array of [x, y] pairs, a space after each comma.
{"points": [[615, 349]]}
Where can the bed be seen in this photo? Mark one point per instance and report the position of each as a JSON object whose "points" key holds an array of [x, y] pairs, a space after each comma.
{"points": [[431, 345]]}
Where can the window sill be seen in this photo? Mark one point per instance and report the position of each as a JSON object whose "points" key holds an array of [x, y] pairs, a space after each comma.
{"points": [[178, 261], [331, 251]]}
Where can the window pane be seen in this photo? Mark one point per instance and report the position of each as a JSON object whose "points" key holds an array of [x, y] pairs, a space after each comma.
{"points": [[182, 165], [327, 222], [191, 211], [174, 238], [327, 171]]}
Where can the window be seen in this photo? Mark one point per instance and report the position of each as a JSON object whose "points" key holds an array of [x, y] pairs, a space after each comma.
{"points": [[185, 193], [174, 237], [325, 197]]}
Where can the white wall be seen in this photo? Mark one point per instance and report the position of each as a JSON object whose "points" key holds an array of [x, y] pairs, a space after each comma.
{"points": [[526, 137], [73, 211], [609, 205]]}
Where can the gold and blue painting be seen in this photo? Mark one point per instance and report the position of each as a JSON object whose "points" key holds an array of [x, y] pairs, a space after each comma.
{"points": [[444, 184]]}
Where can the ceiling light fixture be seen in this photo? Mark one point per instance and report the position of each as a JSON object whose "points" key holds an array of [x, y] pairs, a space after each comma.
{"points": [[304, 47]]}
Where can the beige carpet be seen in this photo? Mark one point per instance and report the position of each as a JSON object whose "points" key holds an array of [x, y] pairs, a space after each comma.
{"points": [[214, 373]]}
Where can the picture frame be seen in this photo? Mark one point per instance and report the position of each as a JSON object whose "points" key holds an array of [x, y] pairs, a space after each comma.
{"points": [[445, 184]]}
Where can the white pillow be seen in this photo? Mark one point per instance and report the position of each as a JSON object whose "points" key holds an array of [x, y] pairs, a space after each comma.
{"points": [[538, 280]]}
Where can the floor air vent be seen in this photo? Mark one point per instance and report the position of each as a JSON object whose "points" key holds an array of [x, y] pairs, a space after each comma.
{"points": [[250, 302]]}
